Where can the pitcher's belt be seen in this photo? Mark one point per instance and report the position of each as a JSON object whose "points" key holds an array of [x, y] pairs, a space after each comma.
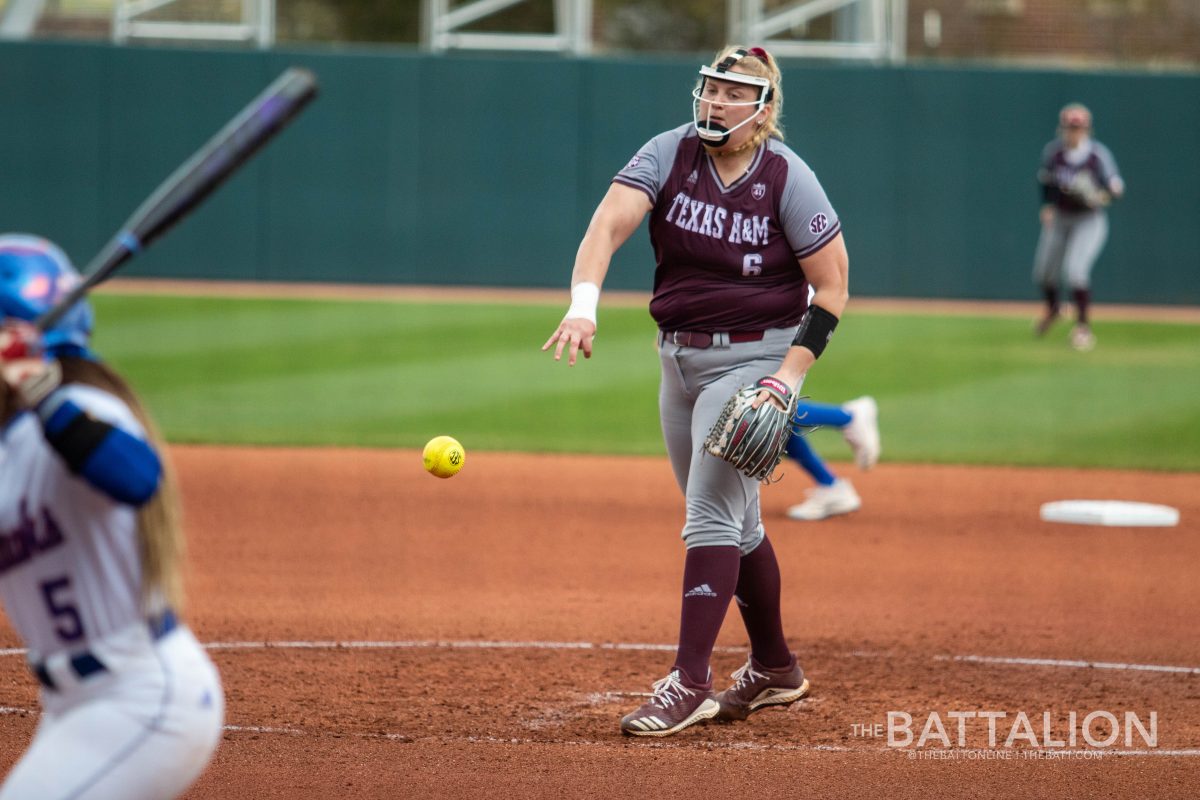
{"points": [[85, 663], [702, 340]]}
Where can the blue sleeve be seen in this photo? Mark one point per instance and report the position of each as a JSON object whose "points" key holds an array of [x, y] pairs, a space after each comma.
{"points": [[123, 466]]}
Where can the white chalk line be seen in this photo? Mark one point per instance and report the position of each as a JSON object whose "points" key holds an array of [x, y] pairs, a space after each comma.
{"points": [[1074, 664], [480, 644], [634, 646], [472, 644], [264, 729], [552, 645], [676, 744], [657, 743]]}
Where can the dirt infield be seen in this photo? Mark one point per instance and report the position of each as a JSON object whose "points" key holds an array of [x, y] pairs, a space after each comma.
{"points": [[382, 633]]}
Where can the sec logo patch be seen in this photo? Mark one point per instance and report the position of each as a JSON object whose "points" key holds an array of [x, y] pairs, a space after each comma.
{"points": [[633, 162], [818, 223]]}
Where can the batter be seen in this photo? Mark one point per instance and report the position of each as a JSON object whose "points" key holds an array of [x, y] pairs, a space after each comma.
{"points": [[90, 545], [740, 228]]}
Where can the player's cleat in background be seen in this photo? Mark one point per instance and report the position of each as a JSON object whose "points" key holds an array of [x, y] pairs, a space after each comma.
{"points": [[757, 687], [672, 707], [1043, 325], [862, 434], [827, 501], [1082, 338]]}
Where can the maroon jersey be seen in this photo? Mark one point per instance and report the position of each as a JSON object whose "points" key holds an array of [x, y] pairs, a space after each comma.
{"points": [[727, 255], [1060, 165]]}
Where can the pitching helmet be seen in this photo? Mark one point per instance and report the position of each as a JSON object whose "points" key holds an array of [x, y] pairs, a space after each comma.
{"points": [[34, 274], [715, 133]]}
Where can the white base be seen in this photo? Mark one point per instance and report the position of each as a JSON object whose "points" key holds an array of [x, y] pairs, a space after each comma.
{"points": [[1110, 512]]}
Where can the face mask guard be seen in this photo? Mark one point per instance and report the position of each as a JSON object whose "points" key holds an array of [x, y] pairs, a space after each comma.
{"points": [[716, 134]]}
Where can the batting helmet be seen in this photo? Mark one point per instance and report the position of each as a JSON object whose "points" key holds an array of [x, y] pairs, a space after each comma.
{"points": [[34, 274]]}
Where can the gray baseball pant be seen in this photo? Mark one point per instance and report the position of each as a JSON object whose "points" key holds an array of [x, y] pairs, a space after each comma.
{"points": [[722, 503], [1070, 244]]}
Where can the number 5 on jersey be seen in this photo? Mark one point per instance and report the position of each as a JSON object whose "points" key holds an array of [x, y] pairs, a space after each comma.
{"points": [[56, 592]]}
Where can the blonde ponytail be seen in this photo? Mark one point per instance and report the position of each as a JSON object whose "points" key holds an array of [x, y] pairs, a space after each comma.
{"points": [[161, 545]]}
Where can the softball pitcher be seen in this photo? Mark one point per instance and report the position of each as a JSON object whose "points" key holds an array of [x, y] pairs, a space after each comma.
{"points": [[90, 545], [1079, 178], [740, 227]]}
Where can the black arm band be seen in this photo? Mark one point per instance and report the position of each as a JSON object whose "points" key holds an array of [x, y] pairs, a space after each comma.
{"points": [[78, 439], [816, 326]]}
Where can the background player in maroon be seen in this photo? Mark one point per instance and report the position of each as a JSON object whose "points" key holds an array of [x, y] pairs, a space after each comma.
{"points": [[1079, 177], [740, 227]]}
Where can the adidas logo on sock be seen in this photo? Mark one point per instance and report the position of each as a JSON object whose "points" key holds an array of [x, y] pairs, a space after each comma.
{"points": [[703, 590]]}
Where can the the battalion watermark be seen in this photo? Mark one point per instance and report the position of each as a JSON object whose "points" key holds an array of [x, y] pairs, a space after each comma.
{"points": [[1006, 735]]}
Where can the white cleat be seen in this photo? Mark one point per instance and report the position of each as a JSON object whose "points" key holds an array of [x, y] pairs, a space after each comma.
{"points": [[827, 501], [1082, 338], [862, 433]]}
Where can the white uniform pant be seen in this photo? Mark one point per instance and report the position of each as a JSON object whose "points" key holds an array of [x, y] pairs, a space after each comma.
{"points": [[722, 503], [144, 729]]}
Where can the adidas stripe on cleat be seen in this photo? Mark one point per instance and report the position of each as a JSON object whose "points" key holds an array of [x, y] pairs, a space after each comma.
{"points": [[757, 687], [672, 707]]}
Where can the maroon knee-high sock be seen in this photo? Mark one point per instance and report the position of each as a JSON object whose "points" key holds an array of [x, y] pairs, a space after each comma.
{"points": [[709, 577], [1051, 295], [758, 589], [1082, 298]]}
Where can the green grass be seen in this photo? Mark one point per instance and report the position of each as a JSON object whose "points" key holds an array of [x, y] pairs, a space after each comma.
{"points": [[387, 374]]}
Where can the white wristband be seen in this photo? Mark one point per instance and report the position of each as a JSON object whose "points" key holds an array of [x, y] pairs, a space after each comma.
{"points": [[585, 297]]}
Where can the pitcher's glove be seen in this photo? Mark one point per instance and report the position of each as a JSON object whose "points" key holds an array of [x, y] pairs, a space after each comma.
{"points": [[754, 439]]}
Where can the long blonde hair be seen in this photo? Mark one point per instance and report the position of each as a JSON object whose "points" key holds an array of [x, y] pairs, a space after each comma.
{"points": [[160, 532], [761, 64]]}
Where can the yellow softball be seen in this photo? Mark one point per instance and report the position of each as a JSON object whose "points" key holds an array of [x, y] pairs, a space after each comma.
{"points": [[444, 456]]}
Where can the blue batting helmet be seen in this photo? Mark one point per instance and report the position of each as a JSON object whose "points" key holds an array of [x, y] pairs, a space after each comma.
{"points": [[34, 274]]}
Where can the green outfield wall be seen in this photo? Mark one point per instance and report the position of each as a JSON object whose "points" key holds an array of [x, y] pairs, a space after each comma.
{"points": [[484, 169]]}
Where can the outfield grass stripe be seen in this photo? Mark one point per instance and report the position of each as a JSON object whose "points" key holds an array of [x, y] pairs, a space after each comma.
{"points": [[951, 389]]}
